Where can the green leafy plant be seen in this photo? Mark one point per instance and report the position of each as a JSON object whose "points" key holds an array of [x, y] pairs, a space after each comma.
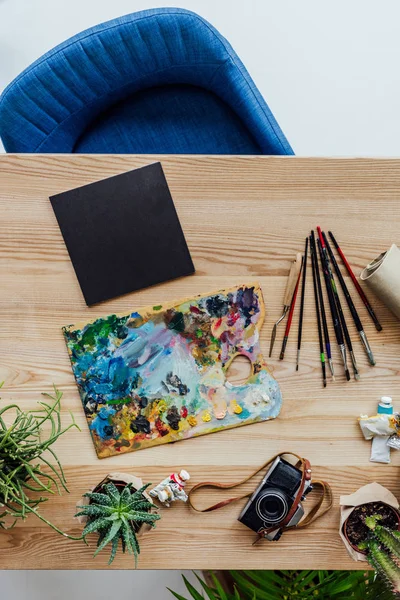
{"points": [[291, 585], [24, 451], [383, 552], [116, 516]]}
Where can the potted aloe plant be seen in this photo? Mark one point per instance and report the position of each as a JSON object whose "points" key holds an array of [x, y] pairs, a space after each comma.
{"points": [[119, 510], [28, 462]]}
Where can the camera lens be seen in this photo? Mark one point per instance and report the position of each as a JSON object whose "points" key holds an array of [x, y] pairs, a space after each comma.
{"points": [[272, 506]]}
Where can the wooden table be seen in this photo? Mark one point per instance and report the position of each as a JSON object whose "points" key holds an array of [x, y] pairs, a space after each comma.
{"points": [[244, 219]]}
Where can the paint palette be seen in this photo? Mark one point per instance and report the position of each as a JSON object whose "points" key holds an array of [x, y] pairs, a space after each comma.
{"points": [[158, 375]]}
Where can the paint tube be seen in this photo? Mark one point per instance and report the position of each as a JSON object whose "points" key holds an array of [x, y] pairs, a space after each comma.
{"points": [[171, 488], [394, 441], [380, 451], [378, 425]]}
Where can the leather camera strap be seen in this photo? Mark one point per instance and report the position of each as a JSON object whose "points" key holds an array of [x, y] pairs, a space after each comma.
{"points": [[302, 464]]}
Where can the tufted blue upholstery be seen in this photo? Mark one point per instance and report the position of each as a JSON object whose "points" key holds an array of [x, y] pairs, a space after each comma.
{"points": [[156, 81]]}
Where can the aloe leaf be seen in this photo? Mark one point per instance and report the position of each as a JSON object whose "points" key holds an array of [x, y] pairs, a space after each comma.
{"points": [[98, 498], [96, 525], [114, 529]]}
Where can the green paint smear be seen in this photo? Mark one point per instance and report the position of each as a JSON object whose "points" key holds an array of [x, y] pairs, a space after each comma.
{"points": [[102, 328], [120, 401], [158, 307], [322, 357]]}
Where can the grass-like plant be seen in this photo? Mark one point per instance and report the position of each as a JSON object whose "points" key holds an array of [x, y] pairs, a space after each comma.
{"points": [[288, 585], [115, 515], [24, 450]]}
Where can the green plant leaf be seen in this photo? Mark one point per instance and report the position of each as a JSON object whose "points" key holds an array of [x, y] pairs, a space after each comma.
{"points": [[114, 549], [98, 498], [96, 525], [192, 591], [209, 591], [178, 596], [113, 531], [221, 592]]}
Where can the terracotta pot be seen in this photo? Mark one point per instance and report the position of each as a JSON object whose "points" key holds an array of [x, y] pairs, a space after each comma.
{"points": [[120, 480], [354, 546]]}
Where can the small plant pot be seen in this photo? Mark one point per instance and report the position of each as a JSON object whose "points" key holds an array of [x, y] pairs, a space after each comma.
{"points": [[121, 480], [354, 529]]}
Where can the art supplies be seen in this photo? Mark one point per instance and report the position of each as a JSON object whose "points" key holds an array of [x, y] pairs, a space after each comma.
{"points": [[357, 285], [122, 233], [291, 284], [382, 276], [343, 323], [350, 303], [317, 307], [290, 317], [380, 451], [325, 258], [303, 289], [323, 315], [334, 311], [158, 374], [171, 488]]}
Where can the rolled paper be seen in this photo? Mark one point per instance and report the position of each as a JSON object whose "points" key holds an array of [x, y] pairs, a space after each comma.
{"points": [[382, 276]]}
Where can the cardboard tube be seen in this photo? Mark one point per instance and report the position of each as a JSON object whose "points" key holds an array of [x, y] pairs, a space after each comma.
{"points": [[382, 276]]}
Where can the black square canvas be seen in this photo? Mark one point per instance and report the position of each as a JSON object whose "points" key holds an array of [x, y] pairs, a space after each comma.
{"points": [[122, 233]]}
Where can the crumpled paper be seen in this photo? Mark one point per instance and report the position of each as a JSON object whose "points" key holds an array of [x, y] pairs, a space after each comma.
{"points": [[372, 492]]}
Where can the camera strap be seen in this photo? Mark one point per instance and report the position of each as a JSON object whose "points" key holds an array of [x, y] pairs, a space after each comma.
{"points": [[304, 466]]}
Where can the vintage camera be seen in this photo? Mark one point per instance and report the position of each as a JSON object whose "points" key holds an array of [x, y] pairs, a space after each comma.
{"points": [[273, 499]]}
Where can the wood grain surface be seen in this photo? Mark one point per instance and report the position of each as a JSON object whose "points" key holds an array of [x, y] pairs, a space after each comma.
{"points": [[244, 219]]}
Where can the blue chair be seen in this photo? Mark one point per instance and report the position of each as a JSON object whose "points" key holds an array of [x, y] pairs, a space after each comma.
{"points": [[159, 81]]}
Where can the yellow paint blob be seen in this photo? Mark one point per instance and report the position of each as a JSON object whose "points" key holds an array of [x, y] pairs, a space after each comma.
{"points": [[161, 406], [237, 409], [192, 421], [206, 417]]}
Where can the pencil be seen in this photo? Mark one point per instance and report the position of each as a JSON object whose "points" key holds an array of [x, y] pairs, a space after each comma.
{"points": [[290, 316], [323, 317], [303, 288], [334, 312], [352, 308], [321, 343], [339, 307], [357, 285]]}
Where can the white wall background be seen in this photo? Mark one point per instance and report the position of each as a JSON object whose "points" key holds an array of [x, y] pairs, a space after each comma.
{"points": [[329, 70], [330, 73]]}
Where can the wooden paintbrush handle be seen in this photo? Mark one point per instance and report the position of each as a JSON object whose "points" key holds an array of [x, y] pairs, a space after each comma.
{"points": [[292, 280]]}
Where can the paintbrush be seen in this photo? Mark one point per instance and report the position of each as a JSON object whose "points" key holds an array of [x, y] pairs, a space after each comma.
{"points": [[334, 312], [357, 285], [290, 317], [303, 289], [323, 316], [352, 308], [343, 323], [321, 343], [291, 284]]}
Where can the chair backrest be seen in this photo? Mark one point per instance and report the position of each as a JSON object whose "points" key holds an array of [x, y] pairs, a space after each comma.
{"points": [[50, 105]]}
